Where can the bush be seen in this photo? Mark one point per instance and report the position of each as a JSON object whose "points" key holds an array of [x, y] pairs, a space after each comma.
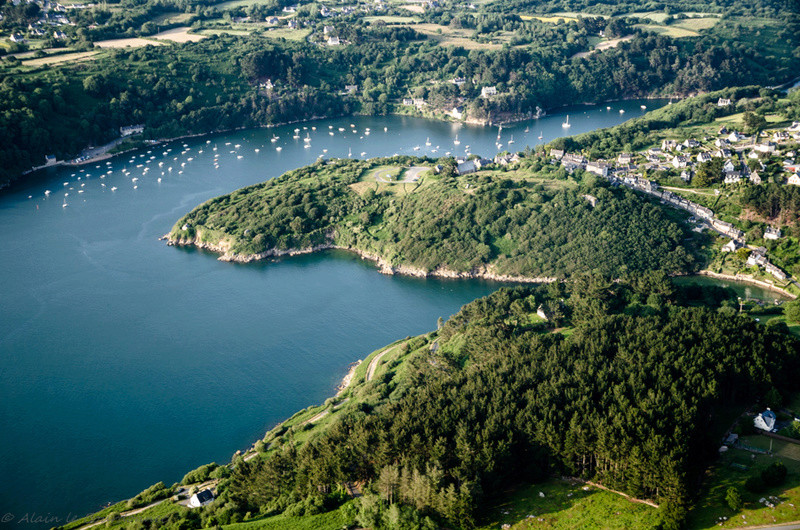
{"points": [[774, 475], [734, 499], [755, 484], [200, 474]]}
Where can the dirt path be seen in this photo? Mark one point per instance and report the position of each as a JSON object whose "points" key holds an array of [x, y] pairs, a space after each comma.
{"points": [[373, 364]]}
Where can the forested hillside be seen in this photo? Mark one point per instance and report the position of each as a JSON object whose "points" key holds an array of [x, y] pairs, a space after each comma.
{"points": [[533, 223], [622, 385]]}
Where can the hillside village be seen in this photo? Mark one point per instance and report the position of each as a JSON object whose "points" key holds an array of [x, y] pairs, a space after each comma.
{"points": [[743, 160]]}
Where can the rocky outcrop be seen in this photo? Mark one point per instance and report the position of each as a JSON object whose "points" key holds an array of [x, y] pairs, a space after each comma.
{"points": [[484, 272]]}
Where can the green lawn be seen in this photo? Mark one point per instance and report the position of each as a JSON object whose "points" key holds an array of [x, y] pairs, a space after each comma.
{"points": [[334, 520], [711, 505], [567, 505]]}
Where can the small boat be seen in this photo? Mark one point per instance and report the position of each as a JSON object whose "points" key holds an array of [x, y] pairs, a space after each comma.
{"points": [[427, 141], [297, 130], [527, 130], [456, 141], [278, 149], [274, 139], [237, 146], [307, 146], [46, 193], [366, 133], [257, 150], [608, 108], [643, 107], [566, 124], [511, 141], [385, 129], [239, 157], [331, 133], [622, 111], [541, 135], [113, 188], [159, 180], [416, 148], [313, 128], [341, 129], [296, 136], [363, 153], [307, 138], [349, 152]]}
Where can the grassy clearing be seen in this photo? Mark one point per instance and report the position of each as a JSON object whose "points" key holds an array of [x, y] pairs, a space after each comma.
{"points": [[696, 24], [173, 18], [232, 4], [414, 8], [61, 58], [722, 475], [333, 520], [568, 505], [447, 36], [671, 31]]}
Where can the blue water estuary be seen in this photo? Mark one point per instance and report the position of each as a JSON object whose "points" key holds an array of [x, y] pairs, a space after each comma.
{"points": [[124, 362]]}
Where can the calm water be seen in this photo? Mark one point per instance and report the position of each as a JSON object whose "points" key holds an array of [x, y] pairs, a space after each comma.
{"points": [[124, 362]]}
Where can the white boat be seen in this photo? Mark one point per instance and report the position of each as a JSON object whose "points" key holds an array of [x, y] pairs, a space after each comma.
{"points": [[608, 108], [237, 146], [274, 139], [427, 141], [113, 188], [541, 135], [331, 133], [363, 153], [416, 148], [297, 130], [385, 129], [456, 141], [349, 152], [622, 111], [278, 149], [307, 146], [46, 193], [307, 138], [527, 130], [643, 107], [296, 136], [566, 124], [257, 150], [239, 157], [159, 180], [511, 141], [341, 129]]}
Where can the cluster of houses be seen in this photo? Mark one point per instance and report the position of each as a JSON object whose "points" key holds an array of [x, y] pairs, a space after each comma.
{"points": [[51, 16], [685, 155]]}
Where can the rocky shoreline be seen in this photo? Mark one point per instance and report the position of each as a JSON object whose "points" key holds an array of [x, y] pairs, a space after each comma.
{"points": [[384, 267]]}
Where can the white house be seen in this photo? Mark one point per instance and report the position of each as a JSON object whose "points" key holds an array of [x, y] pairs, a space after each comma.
{"points": [[755, 178], [772, 233], [730, 246], [625, 158], [333, 41], [794, 180], [488, 91], [735, 137], [457, 113], [728, 167], [703, 157], [723, 102], [679, 161], [458, 81], [598, 168], [201, 498], [766, 421]]}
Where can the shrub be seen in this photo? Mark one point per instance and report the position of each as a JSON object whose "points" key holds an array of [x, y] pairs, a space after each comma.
{"points": [[199, 475], [755, 484], [774, 475], [734, 499]]}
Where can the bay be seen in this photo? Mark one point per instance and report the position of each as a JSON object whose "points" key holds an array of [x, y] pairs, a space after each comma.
{"points": [[124, 362]]}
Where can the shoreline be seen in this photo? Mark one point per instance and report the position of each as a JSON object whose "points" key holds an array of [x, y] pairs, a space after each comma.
{"points": [[747, 279], [383, 266]]}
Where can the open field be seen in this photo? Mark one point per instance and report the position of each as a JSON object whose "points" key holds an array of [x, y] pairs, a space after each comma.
{"points": [[568, 504], [232, 4], [392, 19], [447, 36], [612, 43], [671, 31], [179, 35], [127, 43], [62, 58], [696, 24], [414, 8]]}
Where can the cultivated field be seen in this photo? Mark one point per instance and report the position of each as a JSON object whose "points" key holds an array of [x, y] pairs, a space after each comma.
{"points": [[178, 35], [127, 43]]}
